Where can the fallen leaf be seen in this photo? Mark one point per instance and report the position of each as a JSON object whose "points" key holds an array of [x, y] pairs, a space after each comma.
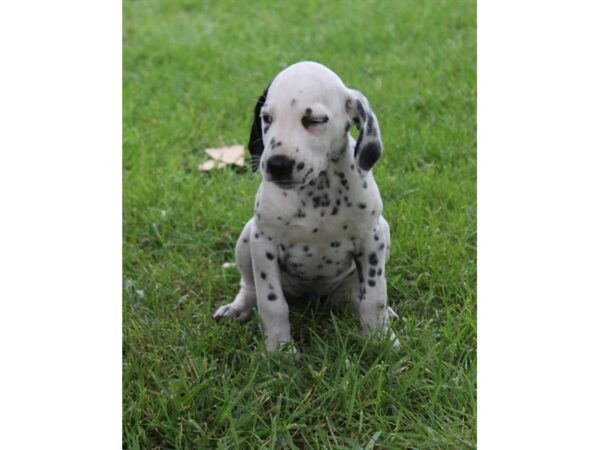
{"points": [[223, 156]]}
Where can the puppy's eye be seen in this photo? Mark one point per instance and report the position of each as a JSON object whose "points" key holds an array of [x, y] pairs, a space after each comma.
{"points": [[266, 118], [308, 121]]}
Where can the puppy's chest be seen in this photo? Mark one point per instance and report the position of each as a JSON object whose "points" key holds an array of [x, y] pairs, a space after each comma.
{"points": [[332, 203], [318, 227]]}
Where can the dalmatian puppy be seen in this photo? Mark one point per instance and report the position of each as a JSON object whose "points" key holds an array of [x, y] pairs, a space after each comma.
{"points": [[317, 228]]}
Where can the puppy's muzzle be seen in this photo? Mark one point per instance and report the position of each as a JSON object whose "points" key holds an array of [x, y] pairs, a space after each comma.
{"points": [[279, 168]]}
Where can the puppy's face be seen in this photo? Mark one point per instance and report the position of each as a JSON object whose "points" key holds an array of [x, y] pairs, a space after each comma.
{"points": [[301, 121]]}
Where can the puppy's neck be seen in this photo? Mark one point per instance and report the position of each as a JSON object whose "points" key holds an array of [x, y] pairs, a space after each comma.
{"points": [[343, 159]]}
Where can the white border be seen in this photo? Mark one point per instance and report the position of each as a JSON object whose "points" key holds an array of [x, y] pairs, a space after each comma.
{"points": [[60, 231], [538, 222]]}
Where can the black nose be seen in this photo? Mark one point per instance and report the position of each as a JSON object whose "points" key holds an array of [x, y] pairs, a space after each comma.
{"points": [[280, 167]]}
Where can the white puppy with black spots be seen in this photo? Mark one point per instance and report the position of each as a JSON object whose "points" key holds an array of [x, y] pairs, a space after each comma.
{"points": [[317, 228]]}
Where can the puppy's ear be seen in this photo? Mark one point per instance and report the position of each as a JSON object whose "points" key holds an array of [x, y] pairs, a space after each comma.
{"points": [[369, 146], [256, 145]]}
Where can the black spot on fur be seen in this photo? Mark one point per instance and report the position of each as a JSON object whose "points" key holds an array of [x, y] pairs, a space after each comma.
{"points": [[272, 296], [359, 271], [335, 244], [371, 271], [315, 230], [373, 259], [300, 166], [379, 272], [245, 240], [376, 237], [371, 131], [305, 248], [362, 294], [263, 275], [362, 205], [269, 255], [334, 211], [371, 283], [365, 185], [351, 166], [256, 235], [369, 155], [381, 246], [361, 110], [293, 102], [345, 227], [358, 143]]}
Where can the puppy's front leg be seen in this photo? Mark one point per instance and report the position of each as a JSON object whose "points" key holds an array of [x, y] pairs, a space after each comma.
{"points": [[372, 288], [272, 307]]}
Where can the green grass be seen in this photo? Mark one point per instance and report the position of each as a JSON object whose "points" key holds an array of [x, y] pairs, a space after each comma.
{"points": [[192, 72]]}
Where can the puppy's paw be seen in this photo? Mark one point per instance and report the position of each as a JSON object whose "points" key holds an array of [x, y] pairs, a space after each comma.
{"points": [[392, 314], [232, 312], [287, 349]]}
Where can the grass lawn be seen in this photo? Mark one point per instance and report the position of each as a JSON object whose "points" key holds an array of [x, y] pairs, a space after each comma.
{"points": [[192, 73]]}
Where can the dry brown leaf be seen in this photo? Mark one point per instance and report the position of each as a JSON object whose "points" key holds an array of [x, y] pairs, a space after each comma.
{"points": [[223, 156]]}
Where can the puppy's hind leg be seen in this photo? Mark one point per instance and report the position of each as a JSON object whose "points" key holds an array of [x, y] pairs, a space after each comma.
{"points": [[241, 307]]}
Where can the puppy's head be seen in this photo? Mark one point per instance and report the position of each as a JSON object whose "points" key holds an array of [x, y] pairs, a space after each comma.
{"points": [[302, 120]]}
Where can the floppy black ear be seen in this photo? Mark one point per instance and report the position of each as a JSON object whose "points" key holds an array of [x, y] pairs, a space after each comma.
{"points": [[255, 145], [369, 146]]}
